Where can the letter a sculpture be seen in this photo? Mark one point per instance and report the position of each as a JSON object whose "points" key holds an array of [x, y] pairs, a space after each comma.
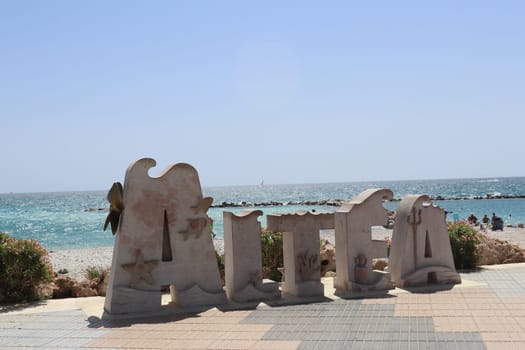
{"points": [[420, 252], [162, 238]]}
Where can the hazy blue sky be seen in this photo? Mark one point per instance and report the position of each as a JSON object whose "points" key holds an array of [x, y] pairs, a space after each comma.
{"points": [[288, 92]]}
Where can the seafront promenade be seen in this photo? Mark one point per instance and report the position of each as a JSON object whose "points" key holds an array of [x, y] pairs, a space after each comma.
{"points": [[487, 311]]}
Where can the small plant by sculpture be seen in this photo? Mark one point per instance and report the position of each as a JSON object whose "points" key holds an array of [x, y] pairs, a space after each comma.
{"points": [[92, 272], [272, 254], [464, 241]]}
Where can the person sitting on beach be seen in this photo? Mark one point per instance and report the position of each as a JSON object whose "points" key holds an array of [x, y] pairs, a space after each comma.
{"points": [[497, 222], [472, 219], [484, 222]]}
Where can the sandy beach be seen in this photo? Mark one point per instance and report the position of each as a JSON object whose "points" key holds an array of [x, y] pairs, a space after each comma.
{"points": [[76, 261]]}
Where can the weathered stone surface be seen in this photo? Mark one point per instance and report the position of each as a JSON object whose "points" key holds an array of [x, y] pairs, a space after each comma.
{"points": [[420, 251], [301, 242], [355, 247], [243, 259], [163, 238]]}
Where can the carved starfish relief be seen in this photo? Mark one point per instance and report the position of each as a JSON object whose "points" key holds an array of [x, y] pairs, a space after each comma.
{"points": [[195, 227], [140, 270], [197, 224]]}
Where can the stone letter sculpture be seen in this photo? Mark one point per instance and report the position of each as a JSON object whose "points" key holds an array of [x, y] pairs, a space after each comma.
{"points": [[354, 244], [420, 252], [243, 259], [163, 239], [301, 245]]}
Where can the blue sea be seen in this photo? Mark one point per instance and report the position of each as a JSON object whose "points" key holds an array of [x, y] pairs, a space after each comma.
{"points": [[62, 220]]}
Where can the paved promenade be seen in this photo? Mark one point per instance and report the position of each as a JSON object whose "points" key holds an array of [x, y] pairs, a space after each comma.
{"points": [[487, 311]]}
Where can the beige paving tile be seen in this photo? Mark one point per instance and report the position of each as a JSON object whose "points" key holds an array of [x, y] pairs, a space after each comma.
{"points": [[447, 312], [496, 336], [232, 344], [243, 335], [276, 344], [223, 320], [104, 343], [204, 335], [252, 327], [419, 313], [520, 321], [495, 345], [489, 312], [518, 336], [454, 324], [422, 306], [216, 327], [495, 320], [413, 299]]}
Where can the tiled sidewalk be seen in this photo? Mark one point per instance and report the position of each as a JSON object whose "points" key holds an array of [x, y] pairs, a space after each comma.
{"points": [[486, 312]]}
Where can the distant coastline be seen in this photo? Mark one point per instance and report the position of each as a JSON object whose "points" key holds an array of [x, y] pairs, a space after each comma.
{"points": [[339, 202]]}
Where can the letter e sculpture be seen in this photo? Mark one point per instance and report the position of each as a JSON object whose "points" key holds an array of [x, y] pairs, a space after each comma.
{"points": [[354, 244]]}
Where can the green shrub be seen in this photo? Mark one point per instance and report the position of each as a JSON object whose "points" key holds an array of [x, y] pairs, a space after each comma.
{"points": [[3, 237], [93, 272], [272, 254], [220, 264], [24, 265], [463, 241]]}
